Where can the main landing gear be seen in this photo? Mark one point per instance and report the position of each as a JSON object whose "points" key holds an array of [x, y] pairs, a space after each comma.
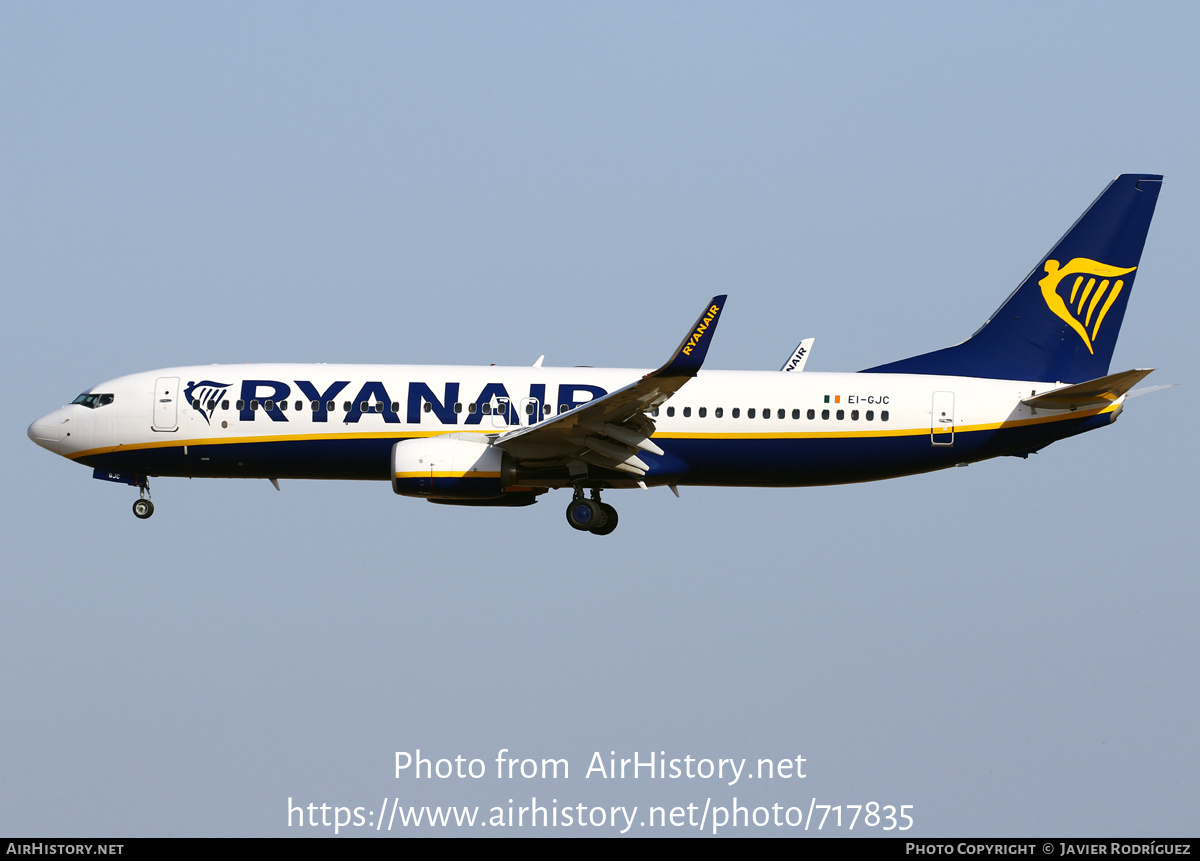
{"points": [[591, 515], [143, 508]]}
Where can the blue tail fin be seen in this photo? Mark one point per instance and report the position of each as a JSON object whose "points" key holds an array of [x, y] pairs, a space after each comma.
{"points": [[1061, 324]]}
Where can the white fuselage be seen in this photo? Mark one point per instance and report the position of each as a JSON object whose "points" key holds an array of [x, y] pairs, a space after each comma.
{"points": [[722, 427]]}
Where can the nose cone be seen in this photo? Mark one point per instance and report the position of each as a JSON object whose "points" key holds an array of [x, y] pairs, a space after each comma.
{"points": [[48, 431]]}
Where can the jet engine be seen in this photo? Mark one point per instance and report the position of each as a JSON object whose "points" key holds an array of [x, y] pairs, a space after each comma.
{"points": [[451, 468]]}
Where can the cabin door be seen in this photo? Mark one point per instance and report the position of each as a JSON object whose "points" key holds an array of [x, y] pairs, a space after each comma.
{"points": [[166, 404]]}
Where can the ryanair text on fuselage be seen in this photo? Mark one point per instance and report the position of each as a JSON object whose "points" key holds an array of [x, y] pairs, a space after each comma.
{"points": [[372, 399]]}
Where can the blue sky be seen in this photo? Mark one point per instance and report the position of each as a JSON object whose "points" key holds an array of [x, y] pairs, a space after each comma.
{"points": [[1010, 648]]}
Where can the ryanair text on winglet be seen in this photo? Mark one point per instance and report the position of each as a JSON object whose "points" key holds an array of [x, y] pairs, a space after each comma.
{"points": [[700, 330]]}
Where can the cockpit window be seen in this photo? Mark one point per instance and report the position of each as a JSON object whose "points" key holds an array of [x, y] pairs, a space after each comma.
{"points": [[92, 400]]}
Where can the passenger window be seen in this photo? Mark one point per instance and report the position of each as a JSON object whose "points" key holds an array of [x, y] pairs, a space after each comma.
{"points": [[225, 405], [783, 414], [330, 406], [750, 413], [458, 407], [687, 412], [670, 412], [870, 415], [737, 412], [362, 406], [254, 405], [241, 405], [841, 414], [853, 415], [316, 405], [529, 408], [486, 409], [883, 416], [428, 407], [702, 412], [212, 405], [395, 407], [283, 405], [471, 408], [795, 414], [196, 404], [655, 413], [379, 406], [812, 414], [825, 415], [346, 405], [719, 412], [299, 406], [269, 405]]}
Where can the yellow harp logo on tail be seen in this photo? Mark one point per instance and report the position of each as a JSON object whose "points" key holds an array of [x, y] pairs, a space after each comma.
{"points": [[1092, 293]]}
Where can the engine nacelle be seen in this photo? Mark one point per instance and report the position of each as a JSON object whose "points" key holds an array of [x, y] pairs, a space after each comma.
{"points": [[449, 468]]}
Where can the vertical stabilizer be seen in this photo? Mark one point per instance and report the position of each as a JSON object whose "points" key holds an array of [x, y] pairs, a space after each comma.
{"points": [[1062, 322]]}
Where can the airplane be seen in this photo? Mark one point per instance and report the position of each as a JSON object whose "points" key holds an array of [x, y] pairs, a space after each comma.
{"points": [[1037, 371]]}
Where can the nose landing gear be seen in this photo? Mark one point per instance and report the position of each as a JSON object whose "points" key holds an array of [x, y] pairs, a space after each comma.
{"points": [[591, 515], [143, 507]]}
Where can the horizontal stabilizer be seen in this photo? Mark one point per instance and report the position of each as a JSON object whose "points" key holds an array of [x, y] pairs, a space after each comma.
{"points": [[1093, 393]]}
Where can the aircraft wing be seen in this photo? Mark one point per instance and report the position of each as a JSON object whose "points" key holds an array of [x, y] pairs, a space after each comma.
{"points": [[1094, 393], [609, 430]]}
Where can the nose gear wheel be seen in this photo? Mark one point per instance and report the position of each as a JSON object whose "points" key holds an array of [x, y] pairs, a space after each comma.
{"points": [[143, 507]]}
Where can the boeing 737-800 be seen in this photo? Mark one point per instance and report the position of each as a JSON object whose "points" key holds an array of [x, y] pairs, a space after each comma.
{"points": [[1036, 372]]}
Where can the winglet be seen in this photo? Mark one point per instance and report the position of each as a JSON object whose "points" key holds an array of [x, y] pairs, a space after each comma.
{"points": [[799, 356], [689, 356]]}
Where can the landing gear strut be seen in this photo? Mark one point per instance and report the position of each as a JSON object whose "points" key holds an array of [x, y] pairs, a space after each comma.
{"points": [[143, 507], [591, 515]]}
